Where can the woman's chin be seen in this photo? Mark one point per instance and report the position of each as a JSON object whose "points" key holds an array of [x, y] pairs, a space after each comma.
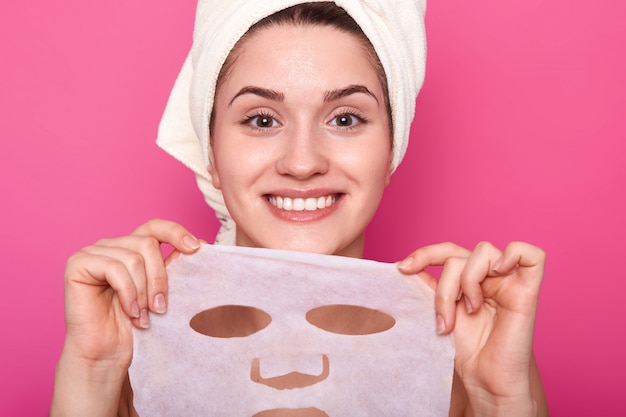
{"points": [[324, 245]]}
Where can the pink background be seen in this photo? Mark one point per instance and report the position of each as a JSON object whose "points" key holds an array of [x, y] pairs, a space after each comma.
{"points": [[519, 135]]}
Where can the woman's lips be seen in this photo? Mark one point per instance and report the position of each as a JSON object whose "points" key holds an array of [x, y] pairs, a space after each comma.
{"points": [[302, 209]]}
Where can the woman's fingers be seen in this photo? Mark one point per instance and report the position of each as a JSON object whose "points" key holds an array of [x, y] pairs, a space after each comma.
{"points": [[431, 255], [155, 232], [522, 255], [479, 266], [527, 262], [447, 288], [127, 264], [464, 272], [141, 254], [155, 280], [86, 268], [166, 231], [175, 254], [447, 294], [142, 257]]}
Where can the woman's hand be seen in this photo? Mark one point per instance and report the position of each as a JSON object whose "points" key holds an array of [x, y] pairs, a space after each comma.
{"points": [[488, 299], [109, 287]]}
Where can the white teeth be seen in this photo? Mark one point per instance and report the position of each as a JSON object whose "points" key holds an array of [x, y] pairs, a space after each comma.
{"points": [[310, 204], [301, 204], [298, 204]]}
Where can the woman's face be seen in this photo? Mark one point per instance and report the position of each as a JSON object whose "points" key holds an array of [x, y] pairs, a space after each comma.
{"points": [[301, 140]]}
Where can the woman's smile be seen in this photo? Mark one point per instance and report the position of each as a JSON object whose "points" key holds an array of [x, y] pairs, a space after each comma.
{"points": [[301, 203], [303, 209]]}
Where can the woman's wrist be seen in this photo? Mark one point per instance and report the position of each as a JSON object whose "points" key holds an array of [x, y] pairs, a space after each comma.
{"points": [[87, 387], [484, 404]]}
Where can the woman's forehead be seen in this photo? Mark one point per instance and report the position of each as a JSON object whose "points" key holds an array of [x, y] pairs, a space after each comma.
{"points": [[300, 57]]}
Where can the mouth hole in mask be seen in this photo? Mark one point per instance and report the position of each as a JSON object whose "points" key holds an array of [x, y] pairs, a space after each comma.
{"points": [[288, 412], [350, 320], [229, 321]]}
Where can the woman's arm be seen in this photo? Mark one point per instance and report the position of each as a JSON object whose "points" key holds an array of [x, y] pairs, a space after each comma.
{"points": [[110, 287]]}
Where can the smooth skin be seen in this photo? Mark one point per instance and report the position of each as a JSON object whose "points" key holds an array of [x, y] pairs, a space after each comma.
{"points": [[486, 297]]}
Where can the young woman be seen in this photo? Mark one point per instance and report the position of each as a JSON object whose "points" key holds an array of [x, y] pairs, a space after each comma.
{"points": [[304, 127]]}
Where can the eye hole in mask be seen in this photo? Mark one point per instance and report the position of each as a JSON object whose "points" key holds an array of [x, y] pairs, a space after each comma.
{"points": [[350, 320], [230, 321]]}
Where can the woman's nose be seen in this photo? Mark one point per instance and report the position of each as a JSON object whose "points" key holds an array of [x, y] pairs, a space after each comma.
{"points": [[303, 154]]}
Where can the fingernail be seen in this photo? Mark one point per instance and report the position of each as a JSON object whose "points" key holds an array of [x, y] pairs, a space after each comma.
{"points": [[144, 319], [441, 324], [468, 305], [406, 263], [159, 304], [134, 309], [191, 242], [497, 265]]}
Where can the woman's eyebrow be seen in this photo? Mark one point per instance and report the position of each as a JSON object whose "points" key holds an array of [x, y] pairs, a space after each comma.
{"points": [[344, 92], [261, 92]]}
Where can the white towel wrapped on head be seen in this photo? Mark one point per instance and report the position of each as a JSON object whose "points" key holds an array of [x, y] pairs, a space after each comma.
{"points": [[395, 29]]}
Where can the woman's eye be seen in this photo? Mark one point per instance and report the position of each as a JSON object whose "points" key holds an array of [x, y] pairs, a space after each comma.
{"points": [[346, 120], [262, 121]]}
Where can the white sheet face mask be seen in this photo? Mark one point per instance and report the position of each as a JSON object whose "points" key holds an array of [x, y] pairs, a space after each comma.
{"points": [[259, 333]]}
